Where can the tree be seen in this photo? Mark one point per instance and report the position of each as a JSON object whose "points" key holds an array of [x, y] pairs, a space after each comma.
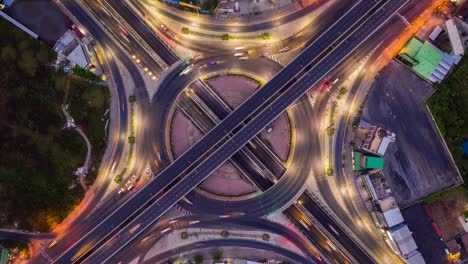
{"points": [[118, 179], [266, 36], [225, 36], [198, 259], [342, 91], [8, 53], [218, 256], [224, 233], [185, 30]]}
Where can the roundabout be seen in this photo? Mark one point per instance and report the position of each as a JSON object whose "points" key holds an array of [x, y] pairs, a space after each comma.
{"points": [[182, 115]]}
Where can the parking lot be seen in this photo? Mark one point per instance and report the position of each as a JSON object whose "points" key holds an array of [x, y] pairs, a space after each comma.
{"points": [[42, 17], [418, 163]]}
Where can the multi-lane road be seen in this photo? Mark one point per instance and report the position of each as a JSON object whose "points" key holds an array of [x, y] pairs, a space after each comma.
{"points": [[213, 161], [235, 129]]}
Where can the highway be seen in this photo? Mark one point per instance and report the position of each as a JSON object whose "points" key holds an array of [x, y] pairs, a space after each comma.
{"points": [[145, 196], [224, 152], [233, 242]]}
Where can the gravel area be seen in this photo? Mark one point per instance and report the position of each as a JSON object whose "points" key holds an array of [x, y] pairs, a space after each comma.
{"points": [[418, 164]]}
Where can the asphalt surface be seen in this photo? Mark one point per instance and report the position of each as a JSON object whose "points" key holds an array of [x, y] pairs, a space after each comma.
{"points": [[238, 243], [418, 163], [430, 245], [230, 123], [145, 243], [320, 24], [220, 155]]}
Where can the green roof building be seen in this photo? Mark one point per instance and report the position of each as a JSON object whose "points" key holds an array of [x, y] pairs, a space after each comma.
{"points": [[4, 256], [427, 60], [363, 162]]}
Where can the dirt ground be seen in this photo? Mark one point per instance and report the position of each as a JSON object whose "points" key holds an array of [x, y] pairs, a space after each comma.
{"points": [[445, 213]]}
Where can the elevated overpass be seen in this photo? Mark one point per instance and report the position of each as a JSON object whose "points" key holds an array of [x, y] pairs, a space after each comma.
{"points": [[200, 160]]}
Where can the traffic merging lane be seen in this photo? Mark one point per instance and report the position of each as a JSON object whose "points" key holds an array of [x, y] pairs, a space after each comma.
{"points": [[224, 152], [186, 163]]}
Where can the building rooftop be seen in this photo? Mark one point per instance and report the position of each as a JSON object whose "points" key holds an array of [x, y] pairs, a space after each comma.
{"points": [[427, 60], [393, 217], [377, 185], [402, 237], [454, 36]]}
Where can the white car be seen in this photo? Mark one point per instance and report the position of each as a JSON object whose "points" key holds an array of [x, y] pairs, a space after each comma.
{"points": [[164, 27]]}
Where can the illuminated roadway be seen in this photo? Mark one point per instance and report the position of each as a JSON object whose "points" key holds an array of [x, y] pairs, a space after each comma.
{"points": [[225, 126], [287, 98], [219, 156]]}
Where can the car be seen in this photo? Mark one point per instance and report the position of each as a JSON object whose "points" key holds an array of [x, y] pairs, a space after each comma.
{"points": [[164, 27], [213, 63], [238, 54], [244, 58]]}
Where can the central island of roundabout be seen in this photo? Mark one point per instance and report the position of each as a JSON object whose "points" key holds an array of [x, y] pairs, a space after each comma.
{"points": [[269, 173]]}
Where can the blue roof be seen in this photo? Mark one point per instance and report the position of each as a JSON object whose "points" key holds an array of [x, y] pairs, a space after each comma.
{"points": [[8, 2], [465, 147]]}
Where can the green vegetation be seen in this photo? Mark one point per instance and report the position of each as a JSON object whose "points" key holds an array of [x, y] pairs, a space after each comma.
{"points": [[341, 92], [185, 30], [198, 259], [184, 235], [218, 256], [118, 179], [38, 157], [266, 237], [329, 171], [209, 5], [465, 214], [19, 247], [266, 36], [132, 98], [449, 108], [440, 195], [224, 233], [225, 36], [77, 70]]}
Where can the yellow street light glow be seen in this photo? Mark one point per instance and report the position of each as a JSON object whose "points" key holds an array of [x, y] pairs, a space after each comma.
{"points": [[133, 57], [138, 60], [145, 69], [154, 78]]}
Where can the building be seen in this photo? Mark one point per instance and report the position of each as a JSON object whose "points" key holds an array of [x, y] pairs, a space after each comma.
{"points": [[454, 36], [80, 56], [6, 3], [377, 185], [377, 140], [389, 214], [402, 240], [435, 33], [364, 162], [4, 256], [427, 60]]}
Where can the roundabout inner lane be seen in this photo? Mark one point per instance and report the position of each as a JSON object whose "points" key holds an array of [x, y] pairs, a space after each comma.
{"points": [[284, 192]]}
